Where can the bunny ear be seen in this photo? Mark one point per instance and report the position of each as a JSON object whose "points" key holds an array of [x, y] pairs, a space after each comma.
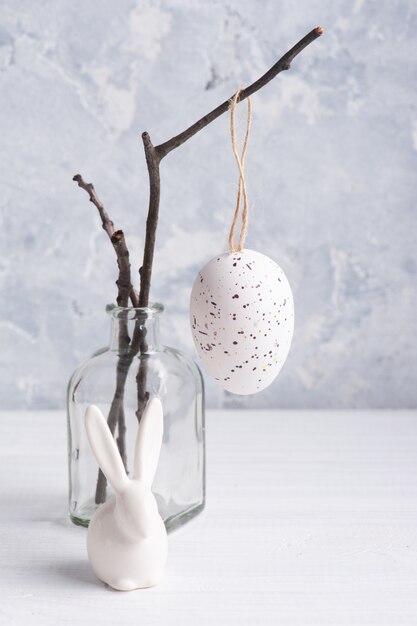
{"points": [[149, 441], [104, 448]]}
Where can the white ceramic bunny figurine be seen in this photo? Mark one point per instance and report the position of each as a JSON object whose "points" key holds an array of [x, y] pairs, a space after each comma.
{"points": [[127, 540]]}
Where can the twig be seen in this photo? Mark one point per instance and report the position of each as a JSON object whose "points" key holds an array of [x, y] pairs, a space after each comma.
{"points": [[116, 416], [154, 155], [117, 238], [121, 438], [126, 291], [152, 161], [116, 413], [284, 63]]}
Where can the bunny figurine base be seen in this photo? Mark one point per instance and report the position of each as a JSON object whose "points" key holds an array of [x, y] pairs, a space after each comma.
{"points": [[126, 539]]}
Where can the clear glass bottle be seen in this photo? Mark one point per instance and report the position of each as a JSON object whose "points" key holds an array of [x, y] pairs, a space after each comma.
{"points": [[118, 379]]}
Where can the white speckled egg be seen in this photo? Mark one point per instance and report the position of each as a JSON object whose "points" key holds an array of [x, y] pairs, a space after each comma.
{"points": [[242, 320]]}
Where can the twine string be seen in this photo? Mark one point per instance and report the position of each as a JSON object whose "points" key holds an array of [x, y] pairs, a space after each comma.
{"points": [[240, 160]]}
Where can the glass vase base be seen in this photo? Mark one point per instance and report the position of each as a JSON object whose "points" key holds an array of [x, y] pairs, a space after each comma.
{"points": [[82, 518]]}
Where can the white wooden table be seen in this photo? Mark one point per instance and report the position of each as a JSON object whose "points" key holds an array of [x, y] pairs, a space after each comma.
{"points": [[311, 518]]}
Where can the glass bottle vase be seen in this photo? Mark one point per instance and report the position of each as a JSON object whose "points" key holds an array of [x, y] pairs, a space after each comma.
{"points": [[119, 379]]}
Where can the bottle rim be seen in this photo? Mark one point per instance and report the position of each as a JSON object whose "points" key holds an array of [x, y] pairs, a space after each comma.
{"points": [[133, 313]]}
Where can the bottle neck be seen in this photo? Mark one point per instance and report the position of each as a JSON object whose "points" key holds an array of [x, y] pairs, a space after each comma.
{"points": [[135, 326]]}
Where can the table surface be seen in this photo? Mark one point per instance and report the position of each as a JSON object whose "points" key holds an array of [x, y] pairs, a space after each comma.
{"points": [[311, 518]]}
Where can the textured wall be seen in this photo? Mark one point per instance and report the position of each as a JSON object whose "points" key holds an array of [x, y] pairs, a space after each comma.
{"points": [[331, 175]]}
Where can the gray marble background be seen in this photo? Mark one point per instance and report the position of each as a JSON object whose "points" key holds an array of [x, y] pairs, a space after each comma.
{"points": [[331, 174]]}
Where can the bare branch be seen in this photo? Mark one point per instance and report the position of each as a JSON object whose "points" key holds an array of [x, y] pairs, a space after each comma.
{"points": [[106, 222], [117, 238], [125, 291], [154, 155], [145, 271], [284, 63]]}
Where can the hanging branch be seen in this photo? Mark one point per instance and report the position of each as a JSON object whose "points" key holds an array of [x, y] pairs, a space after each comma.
{"points": [[155, 154]]}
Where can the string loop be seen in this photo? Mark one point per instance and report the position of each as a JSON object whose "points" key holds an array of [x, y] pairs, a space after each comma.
{"points": [[240, 160]]}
